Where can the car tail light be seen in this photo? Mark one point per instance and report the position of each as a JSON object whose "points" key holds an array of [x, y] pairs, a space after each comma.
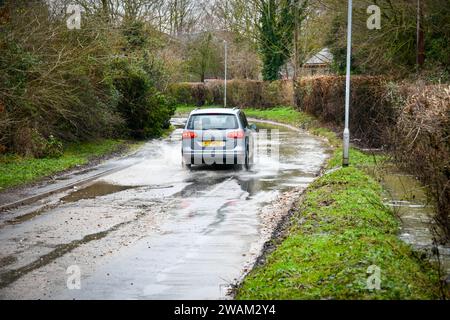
{"points": [[239, 134], [189, 135]]}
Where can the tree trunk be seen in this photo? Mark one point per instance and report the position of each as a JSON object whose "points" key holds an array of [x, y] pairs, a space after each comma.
{"points": [[420, 36], [105, 10]]}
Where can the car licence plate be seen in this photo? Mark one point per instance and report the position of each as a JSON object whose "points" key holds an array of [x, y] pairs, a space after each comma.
{"points": [[213, 143]]}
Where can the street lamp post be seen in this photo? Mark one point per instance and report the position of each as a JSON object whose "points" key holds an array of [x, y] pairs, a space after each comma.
{"points": [[345, 161], [225, 82]]}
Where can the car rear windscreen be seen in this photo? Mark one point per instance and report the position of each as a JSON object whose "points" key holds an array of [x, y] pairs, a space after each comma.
{"points": [[212, 122]]}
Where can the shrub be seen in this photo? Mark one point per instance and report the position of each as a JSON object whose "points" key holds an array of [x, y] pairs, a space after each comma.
{"points": [[240, 93], [276, 93], [413, 123], [44, 94], [145, 110], [4, 125], [421, 144], [188, 93], [30, 142], [371, 109], [53, 148], [69, 89]]}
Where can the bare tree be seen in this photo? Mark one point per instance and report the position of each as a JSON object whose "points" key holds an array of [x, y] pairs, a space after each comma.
{"points": [[181, 16]]}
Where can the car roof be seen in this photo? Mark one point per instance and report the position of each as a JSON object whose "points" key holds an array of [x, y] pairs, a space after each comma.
{"points": [[216, 111]]}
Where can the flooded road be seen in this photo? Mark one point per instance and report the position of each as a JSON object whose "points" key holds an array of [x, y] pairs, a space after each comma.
{"points": [[409, 201], [151, 229]]}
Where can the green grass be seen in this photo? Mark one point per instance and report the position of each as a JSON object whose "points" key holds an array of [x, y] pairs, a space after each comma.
{"points": [[281, 114], [16, 170], [358, 158], [184, 108], [295, 118], [340, 229]]}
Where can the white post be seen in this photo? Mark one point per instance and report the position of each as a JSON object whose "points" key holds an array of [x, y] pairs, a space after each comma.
{"points": [[225, 82], [345, 161]]}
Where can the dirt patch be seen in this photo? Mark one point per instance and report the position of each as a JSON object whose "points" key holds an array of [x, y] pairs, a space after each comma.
{"points": [[6, 261]]}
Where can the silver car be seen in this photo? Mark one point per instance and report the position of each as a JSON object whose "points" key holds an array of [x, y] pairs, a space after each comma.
{"points": [[218, 136]]}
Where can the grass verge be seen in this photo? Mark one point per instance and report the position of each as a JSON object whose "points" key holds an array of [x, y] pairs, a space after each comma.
{"points": [[296, 118], [185, 108], [16, 170], [340, 229]]}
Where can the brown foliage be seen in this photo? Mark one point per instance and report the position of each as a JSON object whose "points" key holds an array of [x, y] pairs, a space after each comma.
{"points": [[240, 93], [413, 123], [371, 110], [422, 143]]}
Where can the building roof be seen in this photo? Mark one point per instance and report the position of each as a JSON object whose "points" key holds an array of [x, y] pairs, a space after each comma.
{"points": [[323, 57]]}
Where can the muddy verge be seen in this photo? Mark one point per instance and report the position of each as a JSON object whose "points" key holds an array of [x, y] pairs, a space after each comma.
{"points": [[121, 150], [14, 197]]}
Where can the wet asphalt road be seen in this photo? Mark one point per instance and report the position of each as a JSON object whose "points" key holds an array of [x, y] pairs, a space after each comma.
{"points": [[150, 229]]}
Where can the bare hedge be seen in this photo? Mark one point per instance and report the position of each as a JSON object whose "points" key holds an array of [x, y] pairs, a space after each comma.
{"points": [[409, 120], [240, 93], [372, 109], [422, 146], [323, 96]]}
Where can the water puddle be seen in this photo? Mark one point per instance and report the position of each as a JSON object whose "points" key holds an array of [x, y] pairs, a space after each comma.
{"points": [[10, 276], [95, 190], [27, 216], [407, 197], [178, 122]]}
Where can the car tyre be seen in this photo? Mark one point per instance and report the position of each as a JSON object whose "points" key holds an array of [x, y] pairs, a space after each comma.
{"points": [[186, 166], [247, 164]]}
